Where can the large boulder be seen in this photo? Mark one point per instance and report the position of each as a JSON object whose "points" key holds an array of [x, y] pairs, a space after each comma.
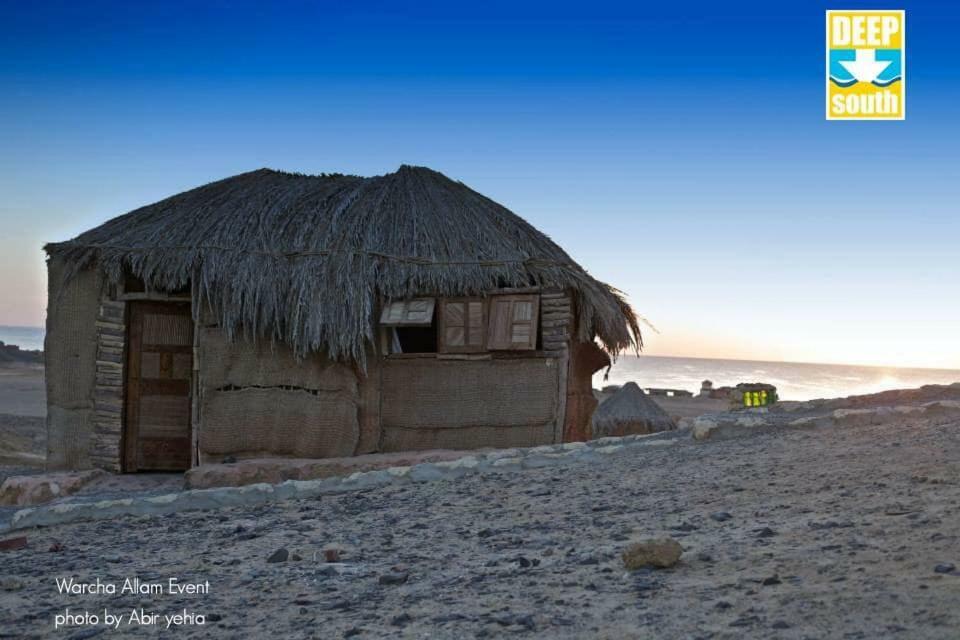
{"points": [[630, 411]]}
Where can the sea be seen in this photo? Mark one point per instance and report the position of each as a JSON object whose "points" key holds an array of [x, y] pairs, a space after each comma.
{"points": [[27, 338], [794, 380]]}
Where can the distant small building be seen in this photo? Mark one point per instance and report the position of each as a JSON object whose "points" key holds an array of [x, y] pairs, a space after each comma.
{"points": [[754, 394]]}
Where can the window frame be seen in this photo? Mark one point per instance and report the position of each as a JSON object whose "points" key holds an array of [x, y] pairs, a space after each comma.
{"points": [[443, 320]]}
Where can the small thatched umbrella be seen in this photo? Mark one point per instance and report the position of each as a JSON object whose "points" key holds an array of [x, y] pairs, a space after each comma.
{"points": [[630, 411]]}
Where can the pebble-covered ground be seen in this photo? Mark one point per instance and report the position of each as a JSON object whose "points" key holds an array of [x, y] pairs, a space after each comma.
{"points": [[820, 533]]}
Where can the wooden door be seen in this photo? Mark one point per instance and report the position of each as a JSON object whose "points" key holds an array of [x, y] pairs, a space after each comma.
{"points": [[159, 374]]}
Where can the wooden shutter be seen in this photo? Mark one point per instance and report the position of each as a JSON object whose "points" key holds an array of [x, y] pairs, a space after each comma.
{"points": [[408, 313], [463, 323], [513, 322]]}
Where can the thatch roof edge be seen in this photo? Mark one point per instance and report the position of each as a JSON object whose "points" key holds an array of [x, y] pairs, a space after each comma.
{"points": [[254, 247]]}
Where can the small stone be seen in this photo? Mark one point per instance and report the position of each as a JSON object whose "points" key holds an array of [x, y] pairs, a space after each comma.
{"points": [[402, 619], [720, 516], [394, 577], [655, 552], [57, 547], [280, 555], [765, 532], [772, 580], [780, 624], [9, 583], [331, 555], [944, 567], [704, 557]]}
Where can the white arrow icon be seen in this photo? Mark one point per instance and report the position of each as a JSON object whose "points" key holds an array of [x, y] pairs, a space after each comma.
{"points": [[866, 67]]}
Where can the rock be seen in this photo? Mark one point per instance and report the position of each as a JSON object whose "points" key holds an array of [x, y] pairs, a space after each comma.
{"points": [[394, 578], [772, 580], [12, 544], [22, 491], [944, 567], [9, 583], [401, 620], [655, 552], [280, 555], [720, 516], [765, 532], [276, 470], [331, 555]]}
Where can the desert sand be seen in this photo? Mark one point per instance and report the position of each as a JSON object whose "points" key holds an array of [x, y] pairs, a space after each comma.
{"points": [[792, 533], [22, 411]]}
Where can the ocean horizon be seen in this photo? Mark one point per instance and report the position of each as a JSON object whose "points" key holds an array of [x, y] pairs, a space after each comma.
{"points": [[794, 380], [27, 338]]}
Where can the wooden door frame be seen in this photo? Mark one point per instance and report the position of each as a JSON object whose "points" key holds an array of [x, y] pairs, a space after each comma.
{"points": [[131, 393]]}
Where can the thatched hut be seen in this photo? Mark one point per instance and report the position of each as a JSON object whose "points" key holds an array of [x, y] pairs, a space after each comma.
{"points": [[630, 411], [278, 314]]}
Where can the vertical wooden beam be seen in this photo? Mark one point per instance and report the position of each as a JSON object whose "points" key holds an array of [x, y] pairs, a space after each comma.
{"points": [[132, 383], [195, 389]]}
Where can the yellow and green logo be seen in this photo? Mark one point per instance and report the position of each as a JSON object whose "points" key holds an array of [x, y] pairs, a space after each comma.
{"points": [[866, 64]]}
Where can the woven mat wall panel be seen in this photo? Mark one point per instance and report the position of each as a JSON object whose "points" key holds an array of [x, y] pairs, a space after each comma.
{"points": [[167, 329], [68, 438], [466, 438], [70, 348], [244, 364], [279, 422], [454, 394]]}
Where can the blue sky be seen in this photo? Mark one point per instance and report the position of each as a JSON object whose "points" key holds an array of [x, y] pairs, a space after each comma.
{"points": [[679, 152]]}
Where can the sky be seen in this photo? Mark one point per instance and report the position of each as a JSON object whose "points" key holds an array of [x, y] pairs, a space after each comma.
{"points": [[678, 150]]}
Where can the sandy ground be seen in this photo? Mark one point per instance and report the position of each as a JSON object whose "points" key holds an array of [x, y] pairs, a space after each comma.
{"points": [[832, 532], [23, 433], [829, 532], [21, 390]]}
